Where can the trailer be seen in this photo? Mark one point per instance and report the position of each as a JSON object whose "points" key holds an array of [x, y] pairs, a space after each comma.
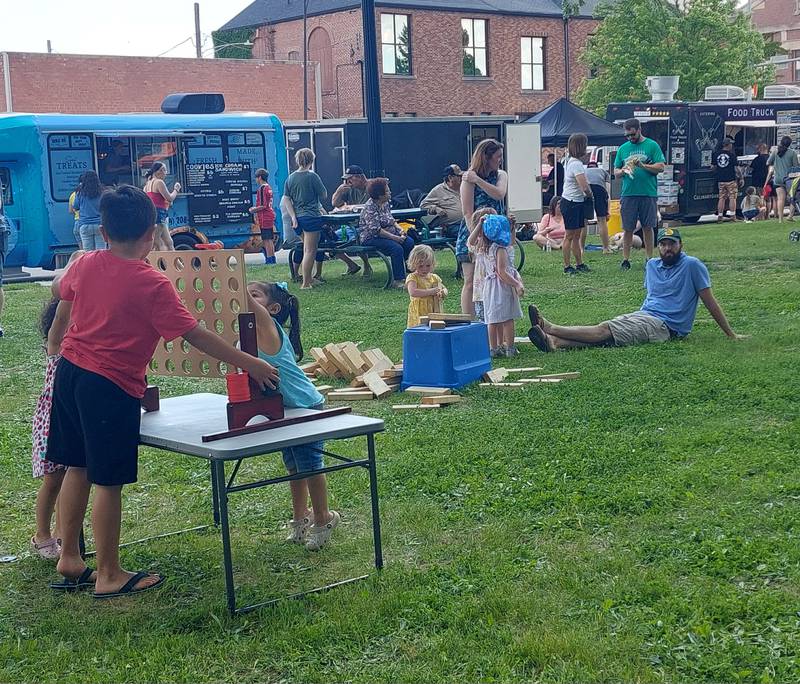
{"points": [[415, 150], [689, 132]]}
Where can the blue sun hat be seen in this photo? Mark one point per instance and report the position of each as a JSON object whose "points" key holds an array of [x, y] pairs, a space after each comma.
{"points": [[497, 229]]}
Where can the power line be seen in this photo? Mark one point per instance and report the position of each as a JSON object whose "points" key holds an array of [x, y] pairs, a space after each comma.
{"points": [[189, 39]]}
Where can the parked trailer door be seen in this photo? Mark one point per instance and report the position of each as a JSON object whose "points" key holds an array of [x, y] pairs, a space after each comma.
{"points": [[524, 166]]}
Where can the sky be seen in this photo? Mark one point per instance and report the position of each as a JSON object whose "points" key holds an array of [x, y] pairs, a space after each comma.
{"points": [[112, 27]]}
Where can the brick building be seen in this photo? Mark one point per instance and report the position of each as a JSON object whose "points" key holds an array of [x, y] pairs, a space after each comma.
{"points": [[95, 84], [779, 21], [436, 58]]}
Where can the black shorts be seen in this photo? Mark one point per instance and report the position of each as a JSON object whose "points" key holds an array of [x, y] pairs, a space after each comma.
{"points": [[600, 204], [573, 213], [94, 425], [267, 234], [638, 208]]}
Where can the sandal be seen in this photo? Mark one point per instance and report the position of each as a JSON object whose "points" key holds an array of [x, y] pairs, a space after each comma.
{"points": [[49, 550], [128, 589], [70, 584], [540, 339]]}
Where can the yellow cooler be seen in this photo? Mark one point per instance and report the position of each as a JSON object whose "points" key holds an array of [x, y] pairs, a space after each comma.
{"points": [[614, 220]]}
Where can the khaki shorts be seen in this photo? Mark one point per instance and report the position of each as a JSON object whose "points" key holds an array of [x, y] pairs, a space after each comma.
{"points": [[728, 190], [637, 328]]}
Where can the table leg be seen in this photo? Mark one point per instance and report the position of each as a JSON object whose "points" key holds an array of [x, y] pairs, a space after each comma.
{"points": [[373, 492], [214, 494], [222, 498]]}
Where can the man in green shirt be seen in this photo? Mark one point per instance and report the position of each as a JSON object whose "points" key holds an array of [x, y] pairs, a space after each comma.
{"points": [[638, 161]]}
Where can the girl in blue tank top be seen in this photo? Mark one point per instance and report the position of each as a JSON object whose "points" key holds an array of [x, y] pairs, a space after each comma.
{"points": [[273, 305]]}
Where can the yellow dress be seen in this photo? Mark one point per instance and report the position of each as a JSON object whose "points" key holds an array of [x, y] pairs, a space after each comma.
{"points": [[422, 306]]}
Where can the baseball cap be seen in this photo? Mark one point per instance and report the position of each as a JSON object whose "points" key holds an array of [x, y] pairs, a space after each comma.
{"points": [[353, 171], [669, 234], [452, 170]]}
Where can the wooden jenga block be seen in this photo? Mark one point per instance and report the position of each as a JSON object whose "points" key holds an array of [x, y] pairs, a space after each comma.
{"points": [[328, 369], [522, 340], [428, 391], [501, 384], [378, 360], [442, 399], [324, 389], [358, 381], [455, 318], [533, 369], [376, 384], [540, 381], [424, 320], [310, 367], [560, 376], [335, 358], [352, 395], [496, 375], [415, 407], [354, 356], [391, 373], [437, 325]]}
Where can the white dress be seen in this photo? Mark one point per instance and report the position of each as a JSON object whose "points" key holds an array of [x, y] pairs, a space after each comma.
{"points": [[500, 301]]}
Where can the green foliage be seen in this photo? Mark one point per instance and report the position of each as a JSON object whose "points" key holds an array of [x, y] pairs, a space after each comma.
{"points": [[403, 56], [230, 44], [638, 524], [705, 42]]}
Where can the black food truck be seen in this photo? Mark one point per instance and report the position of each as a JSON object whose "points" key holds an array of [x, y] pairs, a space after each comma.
{"points": [[689, 132]]}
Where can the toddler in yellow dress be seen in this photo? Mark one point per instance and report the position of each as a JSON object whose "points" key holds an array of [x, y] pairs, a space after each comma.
{"points": [[424, 287]]}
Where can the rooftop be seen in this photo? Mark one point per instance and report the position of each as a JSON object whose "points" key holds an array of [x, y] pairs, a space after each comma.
{"points": [[262, 12]]}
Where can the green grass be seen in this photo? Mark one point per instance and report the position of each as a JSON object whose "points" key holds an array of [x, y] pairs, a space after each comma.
{"points": [[637, 524]]}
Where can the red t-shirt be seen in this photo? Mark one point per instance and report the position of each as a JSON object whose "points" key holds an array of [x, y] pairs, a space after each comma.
{"points": [[121, 308], [265, 214]]}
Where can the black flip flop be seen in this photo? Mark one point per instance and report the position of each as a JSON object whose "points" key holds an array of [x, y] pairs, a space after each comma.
{"points": [[69, 584], [539, 338], [128, 589], [533, 314]]}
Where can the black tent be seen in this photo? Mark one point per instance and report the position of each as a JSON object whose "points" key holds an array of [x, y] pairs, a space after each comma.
{"points": [[562, 118]]}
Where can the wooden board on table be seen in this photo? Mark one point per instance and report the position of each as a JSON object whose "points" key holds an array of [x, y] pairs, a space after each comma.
{"points": [[428, 391]]}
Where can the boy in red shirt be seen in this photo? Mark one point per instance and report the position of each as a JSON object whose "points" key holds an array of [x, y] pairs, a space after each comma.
{"points": [[265, 215], [119, 307]]}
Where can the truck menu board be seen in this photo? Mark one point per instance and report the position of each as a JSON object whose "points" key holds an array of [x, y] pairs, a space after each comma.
{"points": [[218, 193]]}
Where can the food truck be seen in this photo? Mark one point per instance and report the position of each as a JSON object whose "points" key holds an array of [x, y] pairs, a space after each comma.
{"points": [[689, 132], [213, 156]]}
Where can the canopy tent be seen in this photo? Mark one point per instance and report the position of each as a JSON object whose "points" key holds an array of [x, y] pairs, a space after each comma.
{"points": [[563, 118]]}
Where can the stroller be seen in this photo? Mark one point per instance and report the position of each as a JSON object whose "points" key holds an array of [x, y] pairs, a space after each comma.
{"points": [[793, 189]]}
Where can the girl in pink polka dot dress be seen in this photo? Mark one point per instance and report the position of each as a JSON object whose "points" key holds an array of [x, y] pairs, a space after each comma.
{"points": [[53, 325]]}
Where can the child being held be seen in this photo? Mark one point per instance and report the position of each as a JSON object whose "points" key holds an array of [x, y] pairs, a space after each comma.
{"points": [[273, 305], [424, 287], [753, 206], [477, 249], [502, 289], [119, 307]]}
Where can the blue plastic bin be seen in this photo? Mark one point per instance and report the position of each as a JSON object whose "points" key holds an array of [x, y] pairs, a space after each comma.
{"points": [[453, 357]]}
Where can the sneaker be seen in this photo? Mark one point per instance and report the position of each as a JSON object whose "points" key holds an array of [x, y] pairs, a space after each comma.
{"points": [[317, 537], [625, 265], [569, 270], [298, 529], [583, 268], [270, 260], [512, 351], [1, 332], [498, 353], [49, 550]]}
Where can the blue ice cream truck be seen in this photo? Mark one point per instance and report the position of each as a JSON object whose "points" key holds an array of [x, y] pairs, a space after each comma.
{"points": [[213, 156]]}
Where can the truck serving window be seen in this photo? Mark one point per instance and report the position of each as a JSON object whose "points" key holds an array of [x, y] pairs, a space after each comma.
{"points": [[69, 155], [5, 187], [148, 150]]}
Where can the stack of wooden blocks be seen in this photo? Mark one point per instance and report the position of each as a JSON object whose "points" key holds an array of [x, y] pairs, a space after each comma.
{"points": [[371, 373], [432, 398], [439, 321]]}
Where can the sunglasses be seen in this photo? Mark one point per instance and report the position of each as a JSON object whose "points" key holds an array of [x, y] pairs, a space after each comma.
{"points": [[632, 135]]}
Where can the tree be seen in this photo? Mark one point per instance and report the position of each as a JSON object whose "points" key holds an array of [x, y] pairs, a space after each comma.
{"points": [[402, 62], [705, 42], [468, 62]]}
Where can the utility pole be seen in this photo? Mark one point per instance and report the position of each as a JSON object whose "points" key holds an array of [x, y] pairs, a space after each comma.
{"points": [[198, 45], [49, 47], [372, 91], [305, 59]]}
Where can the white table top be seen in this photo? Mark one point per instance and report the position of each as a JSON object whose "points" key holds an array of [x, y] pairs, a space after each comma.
{"points": [[181, 422]]}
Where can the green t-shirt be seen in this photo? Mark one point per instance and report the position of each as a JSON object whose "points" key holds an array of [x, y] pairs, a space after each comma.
{"points": [[306, 191], [642, 183]]}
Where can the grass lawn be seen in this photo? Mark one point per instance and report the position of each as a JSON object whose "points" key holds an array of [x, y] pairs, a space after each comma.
{"points": [[637, 524]]}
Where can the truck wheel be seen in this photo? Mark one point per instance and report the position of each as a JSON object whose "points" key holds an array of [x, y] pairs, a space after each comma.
{"points": [[185, 241]]}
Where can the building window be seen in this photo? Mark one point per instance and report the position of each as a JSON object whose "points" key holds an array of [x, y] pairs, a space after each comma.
{"points": [[294, 56], [473, 39], [396, 44], [532, 60], [796, 64]]}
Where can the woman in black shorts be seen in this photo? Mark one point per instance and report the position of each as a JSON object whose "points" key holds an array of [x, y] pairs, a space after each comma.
{"points": [[576, 192]]}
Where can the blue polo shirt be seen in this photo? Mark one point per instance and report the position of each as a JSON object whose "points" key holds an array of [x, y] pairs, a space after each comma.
{"points": [[672, 291]]}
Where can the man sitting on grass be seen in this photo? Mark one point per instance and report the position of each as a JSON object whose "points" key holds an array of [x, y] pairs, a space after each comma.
{"points": [[673, 283]]}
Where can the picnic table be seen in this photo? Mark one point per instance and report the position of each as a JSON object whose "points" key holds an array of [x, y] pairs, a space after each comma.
{"points": [[350, 246]]}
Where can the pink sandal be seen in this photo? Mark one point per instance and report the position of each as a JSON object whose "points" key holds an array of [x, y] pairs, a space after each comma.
{"points": [[49, 550]]}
